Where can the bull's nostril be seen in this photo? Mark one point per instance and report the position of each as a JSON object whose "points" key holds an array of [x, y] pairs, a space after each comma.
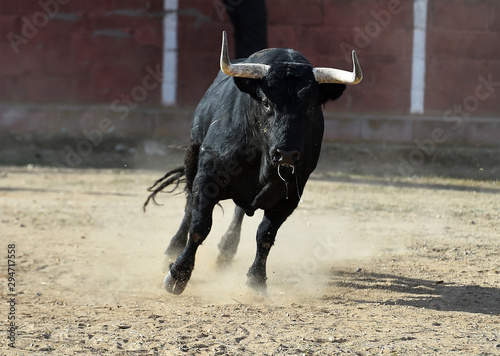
{"points": [[276, 156], [289, 158]]}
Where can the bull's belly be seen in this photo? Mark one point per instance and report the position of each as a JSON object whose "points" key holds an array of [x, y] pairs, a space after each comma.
{"points": [[263, 197]]}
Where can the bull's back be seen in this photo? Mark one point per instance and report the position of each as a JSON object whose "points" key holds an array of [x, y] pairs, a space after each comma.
{"points": [[217, 102]]}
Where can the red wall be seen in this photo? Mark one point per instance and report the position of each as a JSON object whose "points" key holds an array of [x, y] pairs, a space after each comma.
{"points": [[324, 31], [463, 40], [463, 46], [91, 51]]}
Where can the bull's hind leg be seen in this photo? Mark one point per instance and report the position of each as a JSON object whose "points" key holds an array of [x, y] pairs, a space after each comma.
{"points": [[228, 245]]}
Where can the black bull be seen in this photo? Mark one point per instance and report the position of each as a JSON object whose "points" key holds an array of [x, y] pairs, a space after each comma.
{"points": [[256, 138]]}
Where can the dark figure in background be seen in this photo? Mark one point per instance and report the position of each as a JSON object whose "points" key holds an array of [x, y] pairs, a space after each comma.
{"points": [[249, 18]]}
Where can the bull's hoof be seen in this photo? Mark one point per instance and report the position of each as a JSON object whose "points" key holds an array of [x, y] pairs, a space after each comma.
{"points": [[173, 285], [223, 261], [257, 284]]}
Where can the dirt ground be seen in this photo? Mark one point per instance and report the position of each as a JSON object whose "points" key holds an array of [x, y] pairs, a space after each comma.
{"points": [[366, 265]]}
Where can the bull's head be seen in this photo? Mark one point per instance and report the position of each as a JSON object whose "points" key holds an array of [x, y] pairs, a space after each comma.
{"points": [[291, 93]]}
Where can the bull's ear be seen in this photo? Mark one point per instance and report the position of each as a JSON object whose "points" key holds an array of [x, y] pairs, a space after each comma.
{"points": [[330, 92], [248, 86]]}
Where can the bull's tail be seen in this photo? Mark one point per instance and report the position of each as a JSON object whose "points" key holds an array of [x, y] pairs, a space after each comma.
{"points": [[175, 176]]}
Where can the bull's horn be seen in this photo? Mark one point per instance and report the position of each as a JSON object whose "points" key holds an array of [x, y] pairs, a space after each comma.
{"points": [[245, 70], [338, 76]]}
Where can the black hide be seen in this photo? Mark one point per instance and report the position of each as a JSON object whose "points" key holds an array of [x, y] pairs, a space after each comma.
{"points": [[255, 141]]}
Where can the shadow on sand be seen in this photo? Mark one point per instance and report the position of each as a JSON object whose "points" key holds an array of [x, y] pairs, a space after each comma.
{"points": [[375, 181], [421, 293]]}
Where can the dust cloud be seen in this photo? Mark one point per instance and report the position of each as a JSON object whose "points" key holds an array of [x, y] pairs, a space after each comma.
{"points": [[113, 247], [299, 265]]}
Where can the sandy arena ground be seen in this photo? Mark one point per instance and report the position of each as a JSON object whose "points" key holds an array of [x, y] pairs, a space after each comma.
{"points": [[363, 267]]}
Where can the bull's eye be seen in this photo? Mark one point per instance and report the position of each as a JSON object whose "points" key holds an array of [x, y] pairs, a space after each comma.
{"points": [[267, 106]]}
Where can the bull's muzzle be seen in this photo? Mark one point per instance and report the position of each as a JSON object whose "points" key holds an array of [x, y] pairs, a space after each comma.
{"points": [[285, 158]]}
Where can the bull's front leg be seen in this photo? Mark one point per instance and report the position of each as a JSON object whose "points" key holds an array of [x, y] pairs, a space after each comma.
{"points": [[201, 222], [266, 234], [178, 242]]}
